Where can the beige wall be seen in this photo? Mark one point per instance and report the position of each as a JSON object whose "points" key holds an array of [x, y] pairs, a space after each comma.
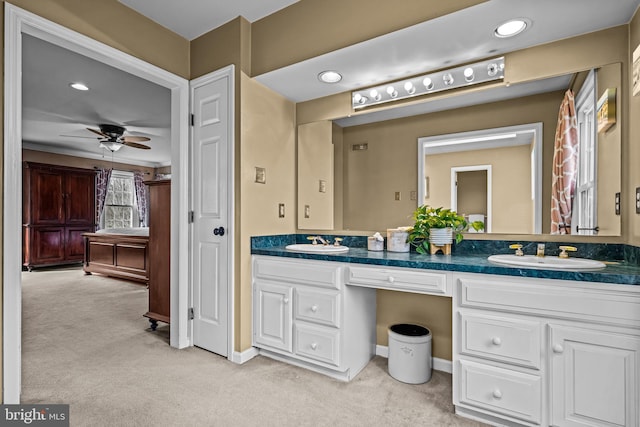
{"points": [[609, 154], [390, 164], [81, 162], [631, 147], [267, 140], [512, 207]]}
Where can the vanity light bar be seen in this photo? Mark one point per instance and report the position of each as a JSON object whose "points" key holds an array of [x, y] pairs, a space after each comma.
{"points": [[453, 78]]}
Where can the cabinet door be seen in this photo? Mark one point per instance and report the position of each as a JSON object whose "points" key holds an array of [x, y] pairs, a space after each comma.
{"points": [[74, 243], [47, 245], [272, 316], [79, 197], [47, 192], [594, 378]]}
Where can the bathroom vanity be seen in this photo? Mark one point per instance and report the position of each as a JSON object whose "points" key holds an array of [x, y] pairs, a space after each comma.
{"points": [[550, 348]]}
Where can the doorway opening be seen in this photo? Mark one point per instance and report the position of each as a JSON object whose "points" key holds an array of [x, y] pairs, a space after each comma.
{"points": [[471, 194]]}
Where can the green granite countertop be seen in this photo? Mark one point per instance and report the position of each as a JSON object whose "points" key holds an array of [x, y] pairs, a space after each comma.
{"points": [[616, 271]]}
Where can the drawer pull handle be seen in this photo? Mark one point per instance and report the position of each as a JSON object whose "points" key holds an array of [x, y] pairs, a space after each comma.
{"points": [[497, 394], [285, 300], [314, 308], [557, 348], [496, 341], [313, 346], [391, 279]]}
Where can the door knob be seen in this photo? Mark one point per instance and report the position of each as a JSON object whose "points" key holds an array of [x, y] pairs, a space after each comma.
{"points": [[218, 231]]}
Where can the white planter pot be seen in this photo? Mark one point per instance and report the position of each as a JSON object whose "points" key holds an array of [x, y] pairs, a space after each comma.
{"points": [[441, 236]]}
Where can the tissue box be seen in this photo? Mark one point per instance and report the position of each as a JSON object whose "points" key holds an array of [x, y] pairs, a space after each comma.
{"points": [[397, 240], [374, 244]]}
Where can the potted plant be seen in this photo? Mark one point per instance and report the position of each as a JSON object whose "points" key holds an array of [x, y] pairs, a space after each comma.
{"points": [[439, 226]]}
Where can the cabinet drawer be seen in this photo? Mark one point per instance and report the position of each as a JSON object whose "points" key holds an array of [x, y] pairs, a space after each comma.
{"points": [[307, 272], [409, 280], [511, 393], [501, 338], [322, 344], [317, 306], [615, 304]]}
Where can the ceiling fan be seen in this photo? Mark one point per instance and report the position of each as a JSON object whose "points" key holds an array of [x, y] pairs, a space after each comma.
{"points": [[113, 138]]}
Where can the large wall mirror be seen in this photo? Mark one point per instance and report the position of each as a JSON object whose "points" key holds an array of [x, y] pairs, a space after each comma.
{"points": [[378, 185]]}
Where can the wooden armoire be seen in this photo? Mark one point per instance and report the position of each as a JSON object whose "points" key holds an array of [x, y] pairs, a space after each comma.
{"points": [[58, 206], [159, 252]]}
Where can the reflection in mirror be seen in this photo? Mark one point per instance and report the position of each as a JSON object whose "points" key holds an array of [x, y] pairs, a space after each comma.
{"points": [[471, 172], [379, 176]]}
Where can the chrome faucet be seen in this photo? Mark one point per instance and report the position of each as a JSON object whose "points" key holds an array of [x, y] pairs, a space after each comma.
{"points": [[316, 239]]}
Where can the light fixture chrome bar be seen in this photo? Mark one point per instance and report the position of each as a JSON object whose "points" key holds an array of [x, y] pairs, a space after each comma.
{"points": [[466, 75]]}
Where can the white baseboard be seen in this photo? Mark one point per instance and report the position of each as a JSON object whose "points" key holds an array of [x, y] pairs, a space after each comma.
{"points": [[245, 356], [438, 364]]}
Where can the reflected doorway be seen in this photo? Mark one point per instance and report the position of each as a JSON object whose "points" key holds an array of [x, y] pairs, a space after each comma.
{"points": [[471, 193]]}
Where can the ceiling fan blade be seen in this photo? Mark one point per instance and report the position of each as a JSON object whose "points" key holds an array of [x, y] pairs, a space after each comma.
{"points": [[96, 131], [136, 145], [130, 138]]}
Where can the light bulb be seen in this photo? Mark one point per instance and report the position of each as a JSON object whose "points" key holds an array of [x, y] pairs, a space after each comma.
{"points": [[375, 95], [392, 91], [408, 86], [468, 74], [428, 84]]}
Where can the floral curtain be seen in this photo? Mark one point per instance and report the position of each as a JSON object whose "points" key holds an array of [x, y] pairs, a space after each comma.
{"points": [[141, 197], [565, 164], [102, 184]]}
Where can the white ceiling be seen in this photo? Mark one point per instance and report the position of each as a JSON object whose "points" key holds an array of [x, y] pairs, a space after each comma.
{"points": [[52, 109]]}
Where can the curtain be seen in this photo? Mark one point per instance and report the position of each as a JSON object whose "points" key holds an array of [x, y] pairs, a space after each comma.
{"points": [[141, 197], [102, 184], [565, 164]]}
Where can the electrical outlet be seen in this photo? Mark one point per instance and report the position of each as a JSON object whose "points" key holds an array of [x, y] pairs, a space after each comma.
{"points": [[322, 186], [261, 175], [617, 198], [638, 200], [413, 195], [397, 195], [280, 210]]}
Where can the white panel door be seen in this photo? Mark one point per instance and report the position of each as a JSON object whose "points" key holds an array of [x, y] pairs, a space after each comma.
{"points": [[210, 234], [594, 378]]}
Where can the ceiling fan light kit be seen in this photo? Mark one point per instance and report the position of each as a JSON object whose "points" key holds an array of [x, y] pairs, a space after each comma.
{"points": [[114, 138]]}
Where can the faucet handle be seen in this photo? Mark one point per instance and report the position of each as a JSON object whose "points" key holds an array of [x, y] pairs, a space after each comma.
{"points": [[518, 248], [565, 249], [336, 241]]}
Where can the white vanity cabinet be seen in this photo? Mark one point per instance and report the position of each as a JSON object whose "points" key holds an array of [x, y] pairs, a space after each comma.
{"points": [[546, 352], [305, 315]]}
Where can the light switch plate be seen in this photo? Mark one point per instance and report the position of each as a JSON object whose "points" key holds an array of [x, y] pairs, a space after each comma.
{"points": [[322, 186], [397, 195], [281, 210], [307, 214], [261, 175]]}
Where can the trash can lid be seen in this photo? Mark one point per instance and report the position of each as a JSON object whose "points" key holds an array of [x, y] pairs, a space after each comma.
{"points": [[409, 330]]}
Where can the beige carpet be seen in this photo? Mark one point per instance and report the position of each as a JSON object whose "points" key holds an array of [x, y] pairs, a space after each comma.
{"points": [[86, 343]]}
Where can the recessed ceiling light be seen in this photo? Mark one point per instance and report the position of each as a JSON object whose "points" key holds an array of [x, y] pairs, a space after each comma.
{"points": [[329, 77], [79, 86], [512, 27]]}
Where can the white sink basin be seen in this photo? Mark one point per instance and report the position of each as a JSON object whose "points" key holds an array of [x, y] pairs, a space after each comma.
{"points": [[317, 249], [547, 262]]}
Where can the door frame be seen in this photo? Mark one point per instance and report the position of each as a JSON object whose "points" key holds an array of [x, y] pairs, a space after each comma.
{"points": [[454, 189], [17, 22], [229, 73]]}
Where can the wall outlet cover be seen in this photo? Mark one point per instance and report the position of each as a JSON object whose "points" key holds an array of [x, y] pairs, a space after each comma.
{"points": [[638, 200], [617, 203], [261, 175]]}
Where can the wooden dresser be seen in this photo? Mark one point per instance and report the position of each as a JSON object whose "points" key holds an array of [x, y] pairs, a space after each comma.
{"points": [[58, 207], [159, 252]]}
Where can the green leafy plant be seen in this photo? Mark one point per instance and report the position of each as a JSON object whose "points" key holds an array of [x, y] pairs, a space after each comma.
{"points": [[426, 217]]}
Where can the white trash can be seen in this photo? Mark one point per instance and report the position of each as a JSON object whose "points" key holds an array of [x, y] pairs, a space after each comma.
{"points": [[410, 353]]}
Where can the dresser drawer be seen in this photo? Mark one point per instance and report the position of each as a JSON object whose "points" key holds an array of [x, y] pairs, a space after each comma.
{"points": [[317, 343], [500, 338], [401, 279], [326, 275], [318, 306], [510, 393]]}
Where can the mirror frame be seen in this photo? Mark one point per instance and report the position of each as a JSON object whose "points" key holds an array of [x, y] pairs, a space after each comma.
{"points": [[481, 139]]}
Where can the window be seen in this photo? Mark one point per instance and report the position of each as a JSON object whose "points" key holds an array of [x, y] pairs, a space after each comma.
{"points": [[120, 209], [585, 204]]}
